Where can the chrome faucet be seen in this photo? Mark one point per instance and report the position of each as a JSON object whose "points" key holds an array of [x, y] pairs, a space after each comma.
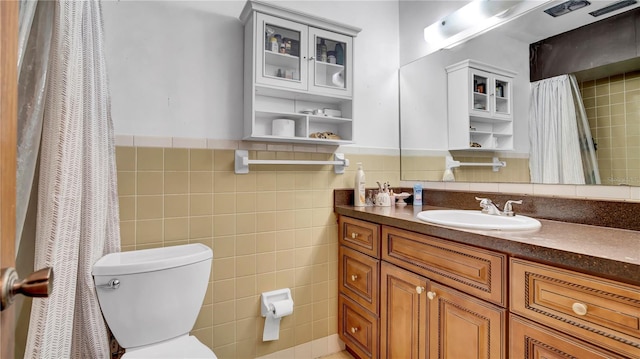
{"points": [[489, 207]]}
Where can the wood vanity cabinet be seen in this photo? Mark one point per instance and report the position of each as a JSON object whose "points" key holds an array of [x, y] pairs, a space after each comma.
{"points": [[408, 295], [359, 284]]}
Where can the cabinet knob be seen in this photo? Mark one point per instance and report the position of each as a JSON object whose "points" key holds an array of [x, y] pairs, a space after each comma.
{"points": [[431, 295], [312, 58], [419, 289], [354, 330], [354, 277], [354, 235], [579, 308]]}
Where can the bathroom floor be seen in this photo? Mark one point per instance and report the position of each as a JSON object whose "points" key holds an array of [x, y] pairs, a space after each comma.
{"points": [[339, 355]]}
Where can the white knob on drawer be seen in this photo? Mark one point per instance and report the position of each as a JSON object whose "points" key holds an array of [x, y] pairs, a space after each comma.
{"points": [[354, 277], [419, 289], [431, 295], [354, 330], [354, 235], [579, 308]]}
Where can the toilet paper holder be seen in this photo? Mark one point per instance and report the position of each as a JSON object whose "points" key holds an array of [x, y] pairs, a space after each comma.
{"points": [[273, 296]]}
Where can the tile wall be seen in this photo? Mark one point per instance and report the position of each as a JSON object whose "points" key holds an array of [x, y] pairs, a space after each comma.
{"points": [[613, 109], [269, 229]]}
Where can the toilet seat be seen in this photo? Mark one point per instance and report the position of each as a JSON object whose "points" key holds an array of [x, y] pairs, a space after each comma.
{"points": [[183, 347]]}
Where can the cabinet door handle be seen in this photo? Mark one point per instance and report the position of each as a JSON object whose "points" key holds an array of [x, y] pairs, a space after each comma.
{"points": [[312, 58], [354, 330], [431, 295], [419, 289], [579, 308], [354, 235], [354, 277]]}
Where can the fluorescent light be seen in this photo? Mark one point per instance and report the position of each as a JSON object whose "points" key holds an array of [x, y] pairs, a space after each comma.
{"points": [[477, 15]]}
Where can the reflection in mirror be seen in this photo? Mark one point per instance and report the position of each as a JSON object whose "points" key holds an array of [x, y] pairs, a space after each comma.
{"points": [[611, 97]]}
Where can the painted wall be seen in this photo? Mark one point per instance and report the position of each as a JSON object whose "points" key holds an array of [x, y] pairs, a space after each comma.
{"points": [[175, 67]]}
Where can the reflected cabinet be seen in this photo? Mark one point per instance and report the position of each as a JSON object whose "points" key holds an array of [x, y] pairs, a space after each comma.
{"points": [[298, 71], [480, 106]]}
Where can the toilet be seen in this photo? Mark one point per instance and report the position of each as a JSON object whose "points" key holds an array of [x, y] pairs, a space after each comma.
{"points": [[151, 299]]}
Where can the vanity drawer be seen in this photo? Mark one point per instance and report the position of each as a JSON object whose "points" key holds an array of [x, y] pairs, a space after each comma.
{"points": [[472, 270], [359, 278], [600, 311], [531, 340], [360, 235], [357, 328]]}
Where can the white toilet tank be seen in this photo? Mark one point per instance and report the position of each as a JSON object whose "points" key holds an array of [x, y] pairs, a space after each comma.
{"points": [[159, 295]]}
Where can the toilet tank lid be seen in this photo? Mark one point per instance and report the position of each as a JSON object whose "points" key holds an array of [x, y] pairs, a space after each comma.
{"points": [[147, 260]]}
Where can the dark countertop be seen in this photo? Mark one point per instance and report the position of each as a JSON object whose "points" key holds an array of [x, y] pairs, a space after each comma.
{"points": [[606, 252]]}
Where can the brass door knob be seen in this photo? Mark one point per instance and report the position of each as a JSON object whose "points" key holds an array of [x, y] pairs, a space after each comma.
{"points": [[431, 295], [419, 289], [354, 330], [354, 277], [37, 284], [579, 308], [354, 235]]}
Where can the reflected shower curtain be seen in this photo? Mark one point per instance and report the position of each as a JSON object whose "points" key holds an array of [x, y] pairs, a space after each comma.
{"points": [[562, 150], [77, 215]]}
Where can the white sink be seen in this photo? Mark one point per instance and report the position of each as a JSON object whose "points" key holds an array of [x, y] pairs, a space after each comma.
{"points": [[478, 220]]}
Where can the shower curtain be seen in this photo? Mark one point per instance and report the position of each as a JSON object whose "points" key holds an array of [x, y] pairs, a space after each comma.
{"points": [[77, 214], [562, 150]]}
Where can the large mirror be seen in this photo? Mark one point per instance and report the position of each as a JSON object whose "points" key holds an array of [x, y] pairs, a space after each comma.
{"points": [[424, 130]]}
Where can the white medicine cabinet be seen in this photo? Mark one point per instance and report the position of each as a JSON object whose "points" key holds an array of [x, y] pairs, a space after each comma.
{"points": [[480, 106], [298, 67]]}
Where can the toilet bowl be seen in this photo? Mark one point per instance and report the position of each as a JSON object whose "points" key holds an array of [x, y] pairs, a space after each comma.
{"points": [[151, 299]]}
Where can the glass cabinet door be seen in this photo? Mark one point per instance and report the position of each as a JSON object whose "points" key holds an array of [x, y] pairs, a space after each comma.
{"points": [[480, 103], [282, 53], [331, 63], [502, 90]]}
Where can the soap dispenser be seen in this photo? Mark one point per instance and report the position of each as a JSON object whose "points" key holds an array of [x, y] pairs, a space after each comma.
{"points": [[359, 194]]}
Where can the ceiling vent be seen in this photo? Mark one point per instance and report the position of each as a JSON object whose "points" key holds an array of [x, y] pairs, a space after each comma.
{"points": [[612, 7], [567, 7]]}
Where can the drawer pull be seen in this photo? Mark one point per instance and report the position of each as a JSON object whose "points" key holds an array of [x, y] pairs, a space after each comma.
{"points": [[354, 235], [419, 289], [354, 330], [354, 277], [579, 308], [431, 295]]}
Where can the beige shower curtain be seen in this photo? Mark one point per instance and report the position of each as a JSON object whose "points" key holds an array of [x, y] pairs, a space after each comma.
{"points": [[77, 215]]}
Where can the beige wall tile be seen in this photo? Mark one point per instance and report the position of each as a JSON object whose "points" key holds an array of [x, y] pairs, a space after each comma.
{"points": [[149, 159], [126, 183], [224, 225], [224, 160], [200, 227], [224, 312], [201, 160], [127, 233], [176, 159], [176, 205], [224, 182], [149, 183], [125, 158], [148, 207], [201, 182], [176, 229], [127, 208], [176, 182], [148, 232]]}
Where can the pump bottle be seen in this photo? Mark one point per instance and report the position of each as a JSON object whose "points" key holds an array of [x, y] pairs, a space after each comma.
{"points": [[359, 199]]}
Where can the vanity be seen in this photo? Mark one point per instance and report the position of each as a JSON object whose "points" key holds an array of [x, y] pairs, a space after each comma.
{"points": [[410, 289]]}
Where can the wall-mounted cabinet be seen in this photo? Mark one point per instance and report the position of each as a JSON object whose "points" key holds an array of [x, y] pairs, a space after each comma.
{"points": [[480, 107], [297, 67]]}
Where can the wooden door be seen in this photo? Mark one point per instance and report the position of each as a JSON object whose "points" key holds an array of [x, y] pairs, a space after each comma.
{"points": [[461, 326], [8, 138], [403, 314]]}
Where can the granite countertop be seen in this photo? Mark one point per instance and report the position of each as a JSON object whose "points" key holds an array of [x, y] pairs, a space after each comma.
{"points": [[606, 252]]}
